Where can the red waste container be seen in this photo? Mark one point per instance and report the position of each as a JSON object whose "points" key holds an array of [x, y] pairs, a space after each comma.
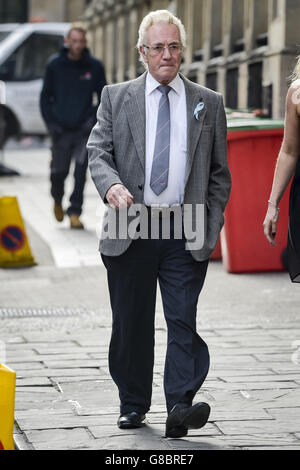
{"points": [[253, 147], [217, 253]]}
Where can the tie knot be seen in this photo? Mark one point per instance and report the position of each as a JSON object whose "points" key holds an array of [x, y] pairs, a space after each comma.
{"points": [[164, 89]]}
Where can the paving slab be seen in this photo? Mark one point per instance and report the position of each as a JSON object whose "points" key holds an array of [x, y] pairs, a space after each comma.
{"points": [[256, 427], [248, 386], [74, 436], [30, 381], [246, 441], [229, 374], [293, 377]]}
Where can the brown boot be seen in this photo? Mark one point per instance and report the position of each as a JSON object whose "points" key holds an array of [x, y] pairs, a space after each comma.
{"points": [[75, 222], [58, 212]]}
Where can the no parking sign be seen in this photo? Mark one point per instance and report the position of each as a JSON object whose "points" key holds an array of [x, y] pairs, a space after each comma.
{"points": [[14, 246], [12, 238]]}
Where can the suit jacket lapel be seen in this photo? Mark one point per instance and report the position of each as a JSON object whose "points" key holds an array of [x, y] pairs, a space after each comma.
{"points": [[194, 126], [136, 114], [135, 109]]}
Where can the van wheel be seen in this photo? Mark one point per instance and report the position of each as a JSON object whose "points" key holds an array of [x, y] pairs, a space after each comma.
{"points": [[9, 126], [4, 170]]}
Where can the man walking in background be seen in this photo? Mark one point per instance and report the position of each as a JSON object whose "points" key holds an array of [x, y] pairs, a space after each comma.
{"points": [[160, 140], [69, 101]]}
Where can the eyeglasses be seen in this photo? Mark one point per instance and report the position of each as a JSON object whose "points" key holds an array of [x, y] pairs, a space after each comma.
{"points": [[174, 49]]}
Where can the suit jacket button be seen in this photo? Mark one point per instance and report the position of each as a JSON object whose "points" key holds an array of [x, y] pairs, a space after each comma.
{"points": [[140, 186]]}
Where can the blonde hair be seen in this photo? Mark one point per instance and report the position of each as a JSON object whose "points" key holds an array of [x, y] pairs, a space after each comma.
{"points": [[295, 75], [159, 16], [78, 28]]}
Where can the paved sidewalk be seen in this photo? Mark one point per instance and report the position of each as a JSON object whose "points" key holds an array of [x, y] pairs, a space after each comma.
{"points": [[55, 329], [65, 398]]}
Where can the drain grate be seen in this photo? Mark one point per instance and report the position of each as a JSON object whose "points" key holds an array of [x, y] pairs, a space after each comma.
{"points": [[11, 312]]}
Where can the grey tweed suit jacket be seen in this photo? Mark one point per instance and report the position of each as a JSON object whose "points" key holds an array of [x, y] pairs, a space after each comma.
{"points": [[116, 149]]}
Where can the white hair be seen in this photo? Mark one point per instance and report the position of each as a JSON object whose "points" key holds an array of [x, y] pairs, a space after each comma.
{"points": [[159, 16]]}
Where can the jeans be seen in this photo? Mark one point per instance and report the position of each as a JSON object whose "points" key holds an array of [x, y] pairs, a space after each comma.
{"points": [[71, 144]]}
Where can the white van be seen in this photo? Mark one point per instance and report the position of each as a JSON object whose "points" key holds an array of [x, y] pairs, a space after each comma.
{"points": [[24, 52]]}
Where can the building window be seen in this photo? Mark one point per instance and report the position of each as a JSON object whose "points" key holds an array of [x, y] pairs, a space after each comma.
{"points": [[197, 39], [237, 26], [232, 88], [255, 86], [216, 28], [211, 80], [260, 31], [193, 77], [22, 65], [13, 11]]}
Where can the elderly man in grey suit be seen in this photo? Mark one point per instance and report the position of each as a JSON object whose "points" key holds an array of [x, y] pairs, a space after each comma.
{"points": [[160, 141]]}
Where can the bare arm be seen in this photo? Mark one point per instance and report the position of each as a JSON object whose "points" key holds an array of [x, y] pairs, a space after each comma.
{"points": [[287, 159]]}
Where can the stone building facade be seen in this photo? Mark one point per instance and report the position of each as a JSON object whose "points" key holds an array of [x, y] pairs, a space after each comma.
{"points": [[246, 49], [57, 10], [20, 11]]}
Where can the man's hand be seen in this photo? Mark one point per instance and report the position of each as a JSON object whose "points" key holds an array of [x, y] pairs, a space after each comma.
{"points": [[270, 224], [119, 197]]}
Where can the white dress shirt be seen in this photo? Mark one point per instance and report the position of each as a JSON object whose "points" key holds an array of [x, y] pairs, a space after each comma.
{"points": [[174, 192]]}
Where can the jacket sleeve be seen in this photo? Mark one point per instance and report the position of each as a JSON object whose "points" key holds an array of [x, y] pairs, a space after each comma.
{"points": [[219, 185], [47, 97], [100, 148], [99, 84]]}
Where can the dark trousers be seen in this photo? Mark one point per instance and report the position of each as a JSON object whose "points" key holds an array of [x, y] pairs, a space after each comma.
{"points": [[65, 147], [132, 281]]}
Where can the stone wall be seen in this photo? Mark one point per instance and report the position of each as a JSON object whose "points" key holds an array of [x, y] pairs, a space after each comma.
{"points": [[245, 49]]}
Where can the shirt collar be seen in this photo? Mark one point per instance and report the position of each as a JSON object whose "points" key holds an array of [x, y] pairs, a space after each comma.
{"points": [[152, 84]]}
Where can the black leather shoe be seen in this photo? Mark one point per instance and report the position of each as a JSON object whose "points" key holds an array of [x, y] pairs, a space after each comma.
{"points": [[131, 420], [183, 417]]}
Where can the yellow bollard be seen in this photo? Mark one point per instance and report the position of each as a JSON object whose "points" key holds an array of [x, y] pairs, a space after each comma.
{"points": [[14, 246], [7, 407]]}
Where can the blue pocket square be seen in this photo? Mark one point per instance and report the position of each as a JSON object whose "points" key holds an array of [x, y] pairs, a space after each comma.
{"points": [[197, 110]]}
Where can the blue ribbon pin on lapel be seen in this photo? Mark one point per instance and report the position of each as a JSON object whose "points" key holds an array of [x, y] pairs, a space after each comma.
{"points": [[197, 110]]}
